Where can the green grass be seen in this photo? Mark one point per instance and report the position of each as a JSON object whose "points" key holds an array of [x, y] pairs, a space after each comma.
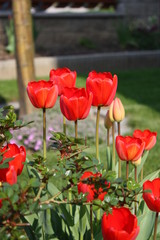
{"points": [[139, 91], [8, 91]]}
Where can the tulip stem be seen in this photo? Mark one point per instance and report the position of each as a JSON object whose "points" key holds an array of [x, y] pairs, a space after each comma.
{"points": [[64, 125], [91, 223], [76, 129], [113, 149], [44, 134], [119, 160], [127, 169], [97, 133], [108, 142], [135, 175], [155, 226]]}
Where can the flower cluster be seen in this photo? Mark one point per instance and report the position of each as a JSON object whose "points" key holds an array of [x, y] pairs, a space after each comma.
{"points": [[75, 104], [84, 177]]}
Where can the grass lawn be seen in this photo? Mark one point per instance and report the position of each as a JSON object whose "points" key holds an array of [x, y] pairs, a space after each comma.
{"points": [[139, 91]]}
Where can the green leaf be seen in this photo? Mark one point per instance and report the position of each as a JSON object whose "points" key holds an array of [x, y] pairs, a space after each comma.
{"points": [[83, 219], [34, 182], [53, 190], [29, 230], [67, 216], [45, 218], [18, 123], [109, 158], [146, 223], [8, 135]]}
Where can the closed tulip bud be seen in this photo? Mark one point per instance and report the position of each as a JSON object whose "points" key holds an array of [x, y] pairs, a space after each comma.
{"points": [[137, 163], [107, 121], [116, 111]]}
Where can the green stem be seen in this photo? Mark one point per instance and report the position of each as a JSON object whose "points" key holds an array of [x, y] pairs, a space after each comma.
{"points": [[135, 176], [127, 169], [119, 160], [81, 236], [155, 226], [108, 142], [97, 133], [91, 223], [44, 134], [70, 199], [76, 129], [64, 125], [43, 234], [113, 149]]}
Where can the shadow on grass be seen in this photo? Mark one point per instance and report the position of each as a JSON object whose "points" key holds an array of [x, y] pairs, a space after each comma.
{"points": [[142, 86], [2, 100]]}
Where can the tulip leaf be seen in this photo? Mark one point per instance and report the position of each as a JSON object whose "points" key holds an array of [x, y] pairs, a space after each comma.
{"points": [[146, 224], [30, 231], [151, 176], [109, 158], [83, 219]]}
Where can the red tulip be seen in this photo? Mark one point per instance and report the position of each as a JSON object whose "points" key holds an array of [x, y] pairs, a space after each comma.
{"points": [[42, 94], [75, 103], [129, 148], [146, 136], [103, 86], [152, 198], [121, 224], [92, 192], [63, 77], [15, 166]]}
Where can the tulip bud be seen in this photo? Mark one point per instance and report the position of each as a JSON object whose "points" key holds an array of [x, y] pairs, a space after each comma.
{"points": [[137, 163], [116, 111], [107, 121]]}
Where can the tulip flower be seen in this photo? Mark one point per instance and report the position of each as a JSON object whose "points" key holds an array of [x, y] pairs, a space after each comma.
{"points": [[42, 94], [103, 86], [116, 111], [75, 104], [121, 224], [152, 199], [63, 77], [129, 149], [92, 192], [15, 165], [146, 136]]}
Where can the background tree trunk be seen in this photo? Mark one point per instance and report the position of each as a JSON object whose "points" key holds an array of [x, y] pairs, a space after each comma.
{"points": [[24, 50]]}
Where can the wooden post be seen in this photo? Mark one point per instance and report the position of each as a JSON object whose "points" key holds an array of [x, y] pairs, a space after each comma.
{"points": [[24, 50]]}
